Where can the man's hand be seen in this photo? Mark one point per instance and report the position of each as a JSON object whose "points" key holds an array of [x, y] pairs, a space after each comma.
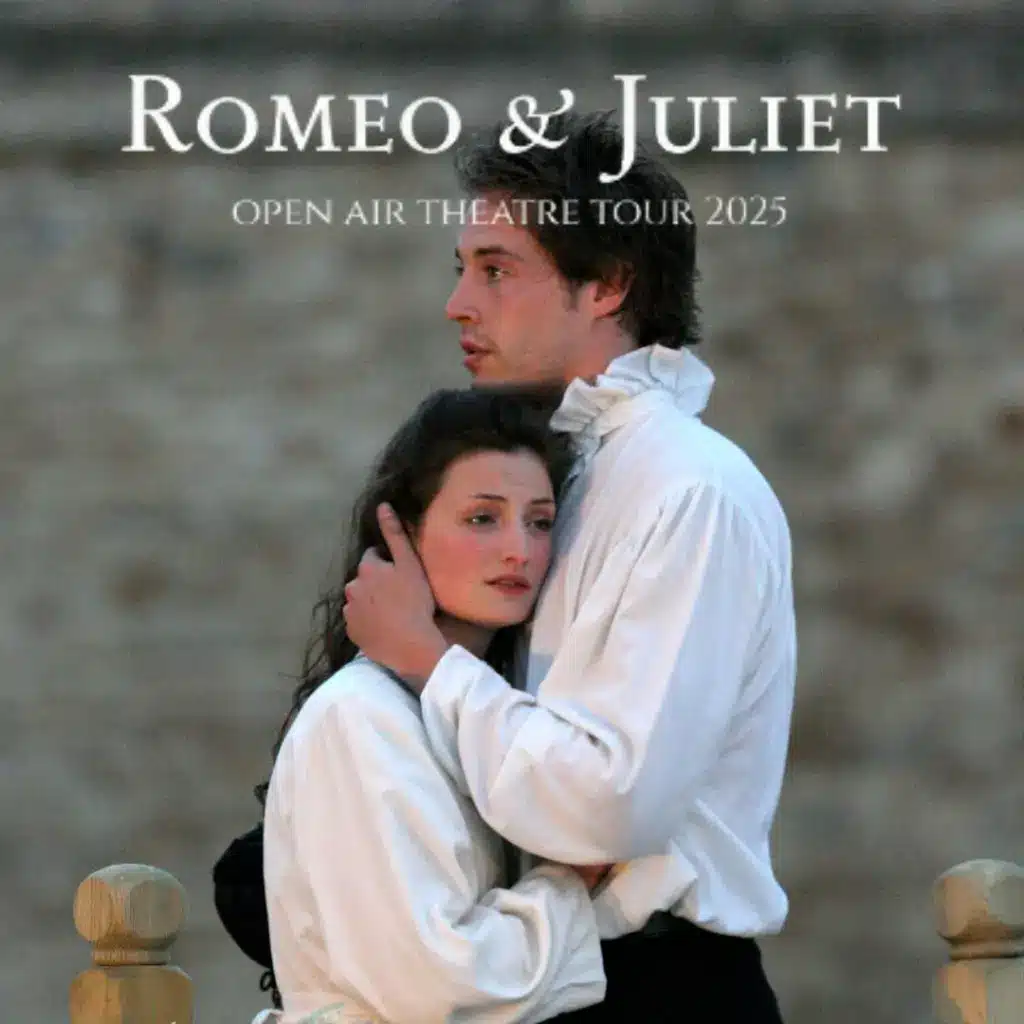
{"points": [[592, 874], [389, 608]]}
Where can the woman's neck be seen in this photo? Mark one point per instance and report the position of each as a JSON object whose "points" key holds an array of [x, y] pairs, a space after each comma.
{"points": [[476, 639]]}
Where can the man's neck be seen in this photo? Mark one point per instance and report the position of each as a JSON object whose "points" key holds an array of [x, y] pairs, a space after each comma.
{"points": [[607, 344]]}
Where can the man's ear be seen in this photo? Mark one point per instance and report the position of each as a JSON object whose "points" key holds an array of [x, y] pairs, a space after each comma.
{"points": [[609, 293]]}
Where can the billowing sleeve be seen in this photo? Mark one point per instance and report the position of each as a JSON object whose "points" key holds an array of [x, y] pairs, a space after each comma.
{"points": [[600, 765], [401, 885]]}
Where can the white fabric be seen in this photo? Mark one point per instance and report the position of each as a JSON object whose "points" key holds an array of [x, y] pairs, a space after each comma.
{"points": [[334, 1014], [382, 880], [653, 721]]}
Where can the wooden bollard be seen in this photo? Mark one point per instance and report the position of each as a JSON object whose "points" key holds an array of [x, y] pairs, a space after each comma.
{"points": [[131, 913], [980, 911]]}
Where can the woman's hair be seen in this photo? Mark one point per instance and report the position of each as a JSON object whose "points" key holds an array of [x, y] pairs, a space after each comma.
{"points": [[409, 473]]}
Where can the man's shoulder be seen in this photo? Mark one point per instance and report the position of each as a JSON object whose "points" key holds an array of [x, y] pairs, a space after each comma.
{"points": [[673, 453], [673, 458]]}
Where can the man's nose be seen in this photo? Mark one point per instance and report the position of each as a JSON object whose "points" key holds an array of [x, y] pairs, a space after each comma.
{"points": [[458, 307]]}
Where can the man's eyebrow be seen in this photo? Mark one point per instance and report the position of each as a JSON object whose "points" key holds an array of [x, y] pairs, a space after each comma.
{"points": [[489, 250]]}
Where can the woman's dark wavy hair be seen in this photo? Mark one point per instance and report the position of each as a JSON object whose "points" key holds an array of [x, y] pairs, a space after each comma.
{"points": [[408, 475], [658, 259]]}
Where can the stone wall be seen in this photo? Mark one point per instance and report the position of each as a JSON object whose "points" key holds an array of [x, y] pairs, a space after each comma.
{"points": [[187, 406]]}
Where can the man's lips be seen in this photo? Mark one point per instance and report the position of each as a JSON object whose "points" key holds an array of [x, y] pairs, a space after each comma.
{"points": [[473, 358]]}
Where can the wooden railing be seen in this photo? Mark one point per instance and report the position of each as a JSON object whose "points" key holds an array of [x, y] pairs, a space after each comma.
{"points": [[979, 908], [132, 914]]}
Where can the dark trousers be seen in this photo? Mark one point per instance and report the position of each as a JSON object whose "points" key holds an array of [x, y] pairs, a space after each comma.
{"points": [[677, 972]]}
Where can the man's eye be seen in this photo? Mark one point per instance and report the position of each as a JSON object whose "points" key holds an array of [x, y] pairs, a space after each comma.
{"points": [[459, 269], [494, 273]]}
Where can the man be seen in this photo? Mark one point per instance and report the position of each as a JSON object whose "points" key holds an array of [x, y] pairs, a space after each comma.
{"points": [[651, 727]]}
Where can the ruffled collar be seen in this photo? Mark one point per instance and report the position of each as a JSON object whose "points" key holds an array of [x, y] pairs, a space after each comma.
{"points": [[590, 409]]}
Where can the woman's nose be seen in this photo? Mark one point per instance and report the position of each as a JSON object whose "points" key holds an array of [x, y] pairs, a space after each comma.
{"points": [[517, 546]]}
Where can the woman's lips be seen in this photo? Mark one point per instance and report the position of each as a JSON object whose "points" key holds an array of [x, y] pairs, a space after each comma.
{"points": [[511, 587]]}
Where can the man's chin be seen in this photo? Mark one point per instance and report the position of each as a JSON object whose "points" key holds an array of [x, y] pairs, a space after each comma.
{"points": [[545, 396], [483, 372], [496, 376]]}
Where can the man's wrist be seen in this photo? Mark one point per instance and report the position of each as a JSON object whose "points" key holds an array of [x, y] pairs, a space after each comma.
{"points": [[427, 659]]}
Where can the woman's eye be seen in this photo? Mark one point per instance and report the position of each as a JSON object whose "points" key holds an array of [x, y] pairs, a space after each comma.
{"points": [[481, 519], [494, 273], [544, 525]]}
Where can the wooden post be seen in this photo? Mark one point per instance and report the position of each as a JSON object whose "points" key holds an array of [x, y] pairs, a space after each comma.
{"points": [[980, 911], [131, 914]]}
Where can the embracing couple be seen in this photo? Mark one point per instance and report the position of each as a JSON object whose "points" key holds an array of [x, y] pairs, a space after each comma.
{"points": [[532, 765]]}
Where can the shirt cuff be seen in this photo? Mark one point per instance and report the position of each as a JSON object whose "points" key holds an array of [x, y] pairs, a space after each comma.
{"points": [[452, 677], [441, 703]]}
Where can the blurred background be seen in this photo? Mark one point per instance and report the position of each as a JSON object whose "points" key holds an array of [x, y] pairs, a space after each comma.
{"points": [[188, 406]]}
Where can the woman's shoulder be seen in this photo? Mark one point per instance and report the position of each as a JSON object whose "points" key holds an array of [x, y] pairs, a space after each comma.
{"points": [[358, 695], [357, 718]]}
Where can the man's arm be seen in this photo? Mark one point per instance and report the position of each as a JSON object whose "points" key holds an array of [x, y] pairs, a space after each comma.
{"points": [[602, 764]]}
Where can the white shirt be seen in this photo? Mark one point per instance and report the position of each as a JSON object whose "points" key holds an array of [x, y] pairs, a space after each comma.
{"points": [[653, 723], [381, 880]]}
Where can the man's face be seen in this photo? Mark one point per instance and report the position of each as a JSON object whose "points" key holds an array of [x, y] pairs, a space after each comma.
{"points": [[520, 321]]}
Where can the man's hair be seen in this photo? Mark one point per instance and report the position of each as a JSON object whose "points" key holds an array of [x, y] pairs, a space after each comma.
{"points": [[658, 258]]}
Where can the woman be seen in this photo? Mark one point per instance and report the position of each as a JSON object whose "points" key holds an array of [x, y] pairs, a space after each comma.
{"points": [[383, 884]]}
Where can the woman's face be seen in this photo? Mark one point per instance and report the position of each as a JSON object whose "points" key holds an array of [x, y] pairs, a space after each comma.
{"points": [[485, 540]]}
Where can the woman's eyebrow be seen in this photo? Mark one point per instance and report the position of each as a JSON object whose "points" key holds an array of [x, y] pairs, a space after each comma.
{"points": [[501, 497]]}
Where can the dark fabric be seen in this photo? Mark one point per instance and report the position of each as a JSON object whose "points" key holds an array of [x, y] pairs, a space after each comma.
{"points": [[241, 902], [239, 896], [678, 973]]}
